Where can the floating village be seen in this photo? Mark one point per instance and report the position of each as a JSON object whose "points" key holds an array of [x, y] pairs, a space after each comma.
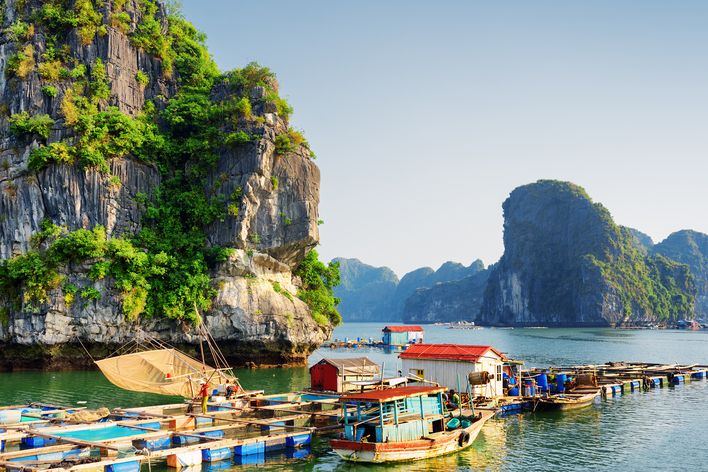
{"points": [[437, 404]]}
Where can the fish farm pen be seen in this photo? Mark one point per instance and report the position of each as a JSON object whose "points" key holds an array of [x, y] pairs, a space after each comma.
{"points": [[43, 437]]}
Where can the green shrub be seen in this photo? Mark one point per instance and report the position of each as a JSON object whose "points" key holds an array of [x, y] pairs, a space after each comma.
{"points": [[90, 293], [242, 109], [24, 125], [232, 209], [283, 107], [251, 76], [50, 70], [51, 153], [283, 144], [50, 91], [121, 21], [142, 79], [68, 107], [19, 31], [99, 87], [21, 64], [318, 282], [237, 138], [88, 20], [78, 72], [274, 182]]}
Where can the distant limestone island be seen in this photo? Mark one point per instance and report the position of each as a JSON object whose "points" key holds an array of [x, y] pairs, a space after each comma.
{"points": [[370, 293], [565, 263]]}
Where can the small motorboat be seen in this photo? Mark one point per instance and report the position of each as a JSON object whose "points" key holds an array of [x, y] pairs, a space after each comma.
{"points": [[578, 398]]}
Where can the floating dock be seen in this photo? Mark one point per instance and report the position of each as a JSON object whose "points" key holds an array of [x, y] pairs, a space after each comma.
{"points": [[127, 438]]}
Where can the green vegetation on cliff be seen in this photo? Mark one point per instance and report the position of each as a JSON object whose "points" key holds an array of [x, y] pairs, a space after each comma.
{"points": [[162, 270], [318, 282], [690, 247], [653, 285]]}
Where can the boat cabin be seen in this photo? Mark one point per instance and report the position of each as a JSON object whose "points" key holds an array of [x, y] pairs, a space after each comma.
{"points": [[402, 335], [337, 375], [455, 365], [394, 414]]}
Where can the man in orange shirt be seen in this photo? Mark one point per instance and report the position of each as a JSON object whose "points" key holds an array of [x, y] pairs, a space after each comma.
{"points": [[204, 393]]}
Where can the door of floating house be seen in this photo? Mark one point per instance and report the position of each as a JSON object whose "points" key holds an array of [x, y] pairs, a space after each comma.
{"points": [[402, 335], [335, 375], [450, 364]]}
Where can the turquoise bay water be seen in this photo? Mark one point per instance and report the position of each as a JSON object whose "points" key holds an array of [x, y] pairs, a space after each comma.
{"points": [[663, 429]]}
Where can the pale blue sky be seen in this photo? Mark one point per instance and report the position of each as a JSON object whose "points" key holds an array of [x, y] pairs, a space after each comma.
{"points": [[425, 115]]}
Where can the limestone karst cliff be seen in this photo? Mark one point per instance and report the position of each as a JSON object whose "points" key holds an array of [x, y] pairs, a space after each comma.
{"points": [[138, 182], [691, 248], [375, 294], [365, 291], [457, 300], [566, 263]]}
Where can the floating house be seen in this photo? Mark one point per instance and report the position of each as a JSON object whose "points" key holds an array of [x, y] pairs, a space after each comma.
{"points": [[402, 335], [336, 375], [450, 366]]}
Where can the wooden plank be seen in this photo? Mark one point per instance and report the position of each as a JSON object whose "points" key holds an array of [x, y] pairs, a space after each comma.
{"points": [[37, 450], [262, 423], [307, 412]]}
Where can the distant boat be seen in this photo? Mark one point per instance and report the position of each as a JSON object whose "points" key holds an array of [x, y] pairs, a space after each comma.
{"points": [[404, 424]]}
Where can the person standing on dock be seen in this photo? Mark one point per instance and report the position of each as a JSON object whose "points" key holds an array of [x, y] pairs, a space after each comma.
{"points": [[204, 393]]}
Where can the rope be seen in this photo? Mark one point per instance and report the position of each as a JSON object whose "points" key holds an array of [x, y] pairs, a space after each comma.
{"points": [[87, 351]]}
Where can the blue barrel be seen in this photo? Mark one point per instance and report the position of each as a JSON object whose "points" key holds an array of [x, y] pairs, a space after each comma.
{"points": [[514, 392], [560, 382], [542, 382]]}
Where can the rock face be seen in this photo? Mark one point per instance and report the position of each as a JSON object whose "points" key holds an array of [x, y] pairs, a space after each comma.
{"points": [[566, 263], [255, 314], [458, 300], [691, 248], [253, 322], [366, 291]]}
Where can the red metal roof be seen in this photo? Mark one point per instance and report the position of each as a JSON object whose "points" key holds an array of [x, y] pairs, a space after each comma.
{"points": [[402, 329], [390, 394], [454, 352]]}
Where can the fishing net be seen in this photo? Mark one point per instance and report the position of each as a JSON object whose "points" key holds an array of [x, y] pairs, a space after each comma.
{"points": [[161, 371], [84, 416]]}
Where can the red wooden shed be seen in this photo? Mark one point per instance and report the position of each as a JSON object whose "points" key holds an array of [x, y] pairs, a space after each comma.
{"points": [[334, 375]]}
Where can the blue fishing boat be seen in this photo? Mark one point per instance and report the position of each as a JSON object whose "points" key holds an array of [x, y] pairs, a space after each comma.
{"points": [[404, 424]]}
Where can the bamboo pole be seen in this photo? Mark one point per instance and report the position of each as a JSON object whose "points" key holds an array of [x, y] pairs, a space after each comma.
{"points": [[260, 423]]}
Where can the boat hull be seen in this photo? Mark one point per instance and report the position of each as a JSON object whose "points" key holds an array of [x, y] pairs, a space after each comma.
{"points": [[568, 403], [404, 451]]}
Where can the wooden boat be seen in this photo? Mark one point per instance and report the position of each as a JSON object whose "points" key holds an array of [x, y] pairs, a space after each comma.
{"points": [[579, 398], [404, 424]]}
